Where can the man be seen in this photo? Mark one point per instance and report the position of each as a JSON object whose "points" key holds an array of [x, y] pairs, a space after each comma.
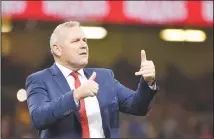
{"points": [[68, 100]]}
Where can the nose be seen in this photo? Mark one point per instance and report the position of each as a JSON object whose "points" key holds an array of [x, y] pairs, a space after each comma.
{"points": [[83, 46]]}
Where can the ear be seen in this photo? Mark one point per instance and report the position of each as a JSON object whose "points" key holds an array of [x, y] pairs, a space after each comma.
{"points": [[56, 49]]}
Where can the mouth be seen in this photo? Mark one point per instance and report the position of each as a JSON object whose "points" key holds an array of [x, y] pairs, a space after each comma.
{"points": [[83, 54]]}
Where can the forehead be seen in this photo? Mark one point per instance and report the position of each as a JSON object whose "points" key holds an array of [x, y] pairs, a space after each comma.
{"points": [[74, 32]]}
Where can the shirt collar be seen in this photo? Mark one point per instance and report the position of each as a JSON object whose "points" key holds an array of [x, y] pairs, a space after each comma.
{"points": [[66, 72]]}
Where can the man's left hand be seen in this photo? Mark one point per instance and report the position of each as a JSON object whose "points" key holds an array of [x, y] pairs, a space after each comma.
{"points": [[147, 69]]}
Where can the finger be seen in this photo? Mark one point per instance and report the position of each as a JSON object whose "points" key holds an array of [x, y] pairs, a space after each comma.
{"points": [[95, 87], [143, 56], [152, 68], [147, 63], [95, 84], [145, 72], [149, 68], [149, 75], [91, 94], [94, 91], [138, 73], [93, 76], [141, 73]]}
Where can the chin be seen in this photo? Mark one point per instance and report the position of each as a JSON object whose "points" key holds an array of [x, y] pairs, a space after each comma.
{"points": [[83, 63]]}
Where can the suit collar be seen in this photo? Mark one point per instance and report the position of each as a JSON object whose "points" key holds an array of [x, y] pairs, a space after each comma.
{"points": [[66, 72], [88, 72], [55, 70]]}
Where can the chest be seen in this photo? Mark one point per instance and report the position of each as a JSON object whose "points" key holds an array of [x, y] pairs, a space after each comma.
{"points": [[92, 108], [105, 98]]}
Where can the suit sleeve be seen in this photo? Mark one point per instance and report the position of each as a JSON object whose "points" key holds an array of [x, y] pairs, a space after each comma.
{"points": [[134, 102], [44, 112]]}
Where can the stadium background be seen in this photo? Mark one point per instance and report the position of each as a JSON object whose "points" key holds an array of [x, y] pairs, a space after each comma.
{"points": [[183, 60]]}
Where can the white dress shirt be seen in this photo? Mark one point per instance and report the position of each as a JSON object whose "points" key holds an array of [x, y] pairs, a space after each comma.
{"points": [[91, 104]]}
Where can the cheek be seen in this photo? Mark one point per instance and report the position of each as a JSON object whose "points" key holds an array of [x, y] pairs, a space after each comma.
{"points": [[69, 51], [71, 54]]}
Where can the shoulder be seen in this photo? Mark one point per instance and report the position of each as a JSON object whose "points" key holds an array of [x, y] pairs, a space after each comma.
{"points": [[104, 71], [39, 75], [103, 75]]}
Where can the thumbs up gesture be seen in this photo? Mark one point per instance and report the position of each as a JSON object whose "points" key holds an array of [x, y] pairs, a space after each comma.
{"points": [[88, 89], [147, 69]]}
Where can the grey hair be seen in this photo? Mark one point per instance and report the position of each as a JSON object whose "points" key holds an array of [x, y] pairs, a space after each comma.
{"points": [[59, 29]]}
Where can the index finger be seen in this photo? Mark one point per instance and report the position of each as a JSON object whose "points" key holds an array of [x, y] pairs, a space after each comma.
{"points": [[143, 56]]}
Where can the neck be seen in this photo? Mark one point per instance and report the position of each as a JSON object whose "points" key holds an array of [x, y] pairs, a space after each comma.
{"points": [[70, 66]]}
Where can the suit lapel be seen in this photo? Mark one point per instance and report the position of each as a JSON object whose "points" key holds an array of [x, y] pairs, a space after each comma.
{"points": [[62, 83]]}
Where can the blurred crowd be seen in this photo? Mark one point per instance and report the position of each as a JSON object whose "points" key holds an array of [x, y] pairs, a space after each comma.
{"points": [[166, 121], [185, 113]]}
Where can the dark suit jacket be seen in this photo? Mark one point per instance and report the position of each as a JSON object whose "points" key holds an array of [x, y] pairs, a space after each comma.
{"points": [[53, 110]]}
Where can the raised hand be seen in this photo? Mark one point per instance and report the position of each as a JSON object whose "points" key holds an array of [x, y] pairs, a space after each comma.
{"points": [[147, 68]]}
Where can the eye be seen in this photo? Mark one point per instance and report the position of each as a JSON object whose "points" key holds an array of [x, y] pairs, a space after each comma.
{"points": [[85, 40], [76, 40]]}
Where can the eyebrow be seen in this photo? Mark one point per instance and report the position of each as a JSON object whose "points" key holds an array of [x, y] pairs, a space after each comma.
{"points": [[79, 38]]}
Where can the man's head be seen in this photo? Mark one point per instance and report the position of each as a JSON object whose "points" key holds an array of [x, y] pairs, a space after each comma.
{"points": [[69, 45]]}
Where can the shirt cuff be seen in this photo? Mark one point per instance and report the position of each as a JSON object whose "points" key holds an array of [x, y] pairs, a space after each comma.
{"points": [[77, 104], [153, 87]]}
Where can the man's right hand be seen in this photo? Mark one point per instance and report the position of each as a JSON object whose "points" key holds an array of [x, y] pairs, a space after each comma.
{"points": [[88, 89]]}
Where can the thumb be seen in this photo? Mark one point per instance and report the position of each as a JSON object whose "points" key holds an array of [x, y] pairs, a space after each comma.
{"points": [[143, 56], [93, 76]]}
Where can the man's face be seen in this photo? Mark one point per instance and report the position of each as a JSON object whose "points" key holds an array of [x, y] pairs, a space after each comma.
{"points": [[74, 48]]}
